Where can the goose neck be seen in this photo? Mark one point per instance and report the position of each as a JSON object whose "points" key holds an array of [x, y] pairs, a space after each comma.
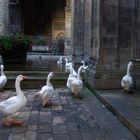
{"points": [[2, 73], [128, 69], [83, 63], [66, 61], [48, 80], [71, 70], [18, 89], [79, 72]]}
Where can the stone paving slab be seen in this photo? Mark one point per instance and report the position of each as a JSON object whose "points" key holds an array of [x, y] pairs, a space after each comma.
{"points": [[125, 106], [68, 119]]}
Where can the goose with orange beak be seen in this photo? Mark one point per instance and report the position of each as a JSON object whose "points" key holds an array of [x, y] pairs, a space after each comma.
{"points": [[12, 105]]}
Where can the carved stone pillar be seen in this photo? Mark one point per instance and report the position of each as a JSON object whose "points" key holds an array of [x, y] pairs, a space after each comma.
{"points": [[87, 28], [4, 16], [1, 17], [67, 27], [77, 43]]}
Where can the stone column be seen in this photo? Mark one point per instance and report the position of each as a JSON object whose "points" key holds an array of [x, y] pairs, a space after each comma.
{"points": [[77, 43], [95, 32], [1, 17], [67, 27], [4, 16], [91, 39], [87, 28]]}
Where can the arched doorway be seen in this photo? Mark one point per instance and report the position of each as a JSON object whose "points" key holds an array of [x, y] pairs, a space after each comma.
{"points": [[44, 20]]}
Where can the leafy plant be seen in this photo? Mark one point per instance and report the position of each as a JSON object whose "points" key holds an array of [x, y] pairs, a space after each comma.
{"points": [[8, 42], [21, 39], [13, 48]]}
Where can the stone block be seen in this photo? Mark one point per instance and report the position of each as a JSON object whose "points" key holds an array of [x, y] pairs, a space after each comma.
{"points": [[127, 3], [111, 2], [30, 135]]}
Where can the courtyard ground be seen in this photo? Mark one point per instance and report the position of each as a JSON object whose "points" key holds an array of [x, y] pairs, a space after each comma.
{"points": [[67, 119]]}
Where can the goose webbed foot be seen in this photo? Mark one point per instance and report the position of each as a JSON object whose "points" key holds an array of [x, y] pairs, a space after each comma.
{"points": [[12, 122], [6, 122], [17, 122], [49, 103], [78, 96]]}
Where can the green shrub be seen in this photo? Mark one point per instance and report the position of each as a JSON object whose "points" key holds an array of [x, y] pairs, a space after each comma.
{"points": [[8, 42]]}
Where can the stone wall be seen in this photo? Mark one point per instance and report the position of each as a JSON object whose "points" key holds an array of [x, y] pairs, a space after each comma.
{"points": [[4, 16], [77, 43], [87, 18], [108, 33], [67, 27], [58, 20], [136, 74], [116, 34], [117, 44]]}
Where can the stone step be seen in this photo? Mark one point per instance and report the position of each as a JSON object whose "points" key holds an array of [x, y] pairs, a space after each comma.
{"points": [[36, 79], [124, 106]]}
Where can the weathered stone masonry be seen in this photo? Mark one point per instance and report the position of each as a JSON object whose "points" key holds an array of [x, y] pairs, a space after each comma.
{"points": [[103, 32], [4, 16], [113, 38]]}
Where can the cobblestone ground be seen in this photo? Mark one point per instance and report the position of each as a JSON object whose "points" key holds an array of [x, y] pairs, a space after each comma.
{"points": [[67, 119]]}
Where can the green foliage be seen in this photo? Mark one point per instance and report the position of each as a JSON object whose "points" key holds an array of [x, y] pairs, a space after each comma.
{"points": [[8, 42], [21, 39]]}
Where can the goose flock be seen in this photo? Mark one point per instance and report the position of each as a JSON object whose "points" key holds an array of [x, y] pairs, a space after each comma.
{"points": [[11, 106]]}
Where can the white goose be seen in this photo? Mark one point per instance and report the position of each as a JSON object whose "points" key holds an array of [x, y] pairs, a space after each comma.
{"points": [[77, 83], [83, 62], [84, 65], [74, 72], [67, 65], [47, 92], [127, 80], [59, 62], [3, 78], [70, 78], [12, 105]]}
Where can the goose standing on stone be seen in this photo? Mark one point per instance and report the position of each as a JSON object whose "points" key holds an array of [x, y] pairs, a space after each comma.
{"points": [[60, 62], [47, 92], [74, 72], [77, 83], [12, 105], [84, 65], [70, 78], [3, 78], [67, 64], [127, 80]]}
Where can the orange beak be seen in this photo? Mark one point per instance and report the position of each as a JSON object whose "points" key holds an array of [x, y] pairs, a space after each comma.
{"points": [[24, 77]]}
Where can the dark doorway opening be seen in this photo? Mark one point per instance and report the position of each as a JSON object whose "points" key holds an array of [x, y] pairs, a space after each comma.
{"points": [[39, 16]]}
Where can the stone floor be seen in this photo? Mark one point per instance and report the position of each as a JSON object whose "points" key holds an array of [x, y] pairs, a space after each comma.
{"points": [[68, 119], [125, 106]]}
